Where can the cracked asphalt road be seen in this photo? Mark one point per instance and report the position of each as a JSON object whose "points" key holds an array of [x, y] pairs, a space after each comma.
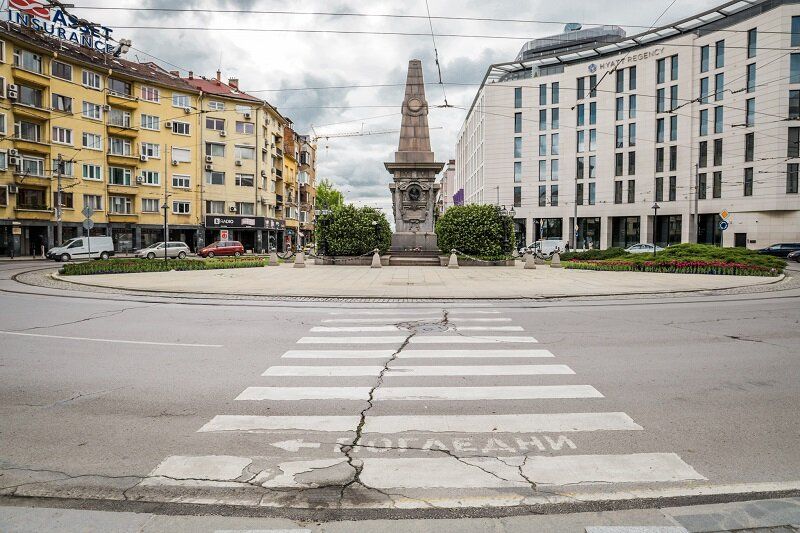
{"points": [[713, 381]]}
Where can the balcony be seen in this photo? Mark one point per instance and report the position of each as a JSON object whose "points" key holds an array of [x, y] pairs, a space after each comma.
{"points": [[22, 74], [33, 212], [38, 147], [122, 100], [122, 159], [30, 111], [121, 130], [122, 189], [21, 178], [123, 217]]}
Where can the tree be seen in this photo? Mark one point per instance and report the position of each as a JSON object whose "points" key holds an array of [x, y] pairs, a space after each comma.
{"points": [[478, 230], [350, 230], [328, 196]]}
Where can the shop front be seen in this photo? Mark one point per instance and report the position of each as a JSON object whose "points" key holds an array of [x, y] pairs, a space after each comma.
{"points": [[588, 233], [274, 231], [548, 228], [245, 229], [668, 230], [625, 231]]}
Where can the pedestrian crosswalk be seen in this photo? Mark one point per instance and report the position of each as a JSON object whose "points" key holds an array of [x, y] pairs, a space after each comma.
{"points": [[397, 404]]}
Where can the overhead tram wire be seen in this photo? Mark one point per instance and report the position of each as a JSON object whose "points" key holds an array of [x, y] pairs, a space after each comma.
{"points": [[436, 54]]}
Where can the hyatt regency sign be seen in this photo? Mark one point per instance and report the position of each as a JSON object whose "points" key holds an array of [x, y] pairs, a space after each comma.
{"points": [[629, 58], [53, 21]]}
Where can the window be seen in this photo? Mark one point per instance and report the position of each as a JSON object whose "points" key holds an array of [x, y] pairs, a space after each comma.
{"points": [[92, 172], [2, 123], [750, 112], [517, 196], [719, 86], [704, 54], [95, 201], [517, 122], [618, 163], [542, 195], [632, 106], [592, 189], [61, 70], [793, 148], [120, 87], [119, 118], [182, 155], [554, 169], [62, 135], [542, 170], [719, 54], [67, 167], [27, 131], [150, 122], [617, 192], [661, 66], [93, 111], [62, 103], [28, 60], [150, 94], [579, 193], [119, 146], [792, 170], [181, 181], [244, 152], [619, 135], [703, 122], [673, 128], [245, 208], [581, 88], [702, 186], [542, 119], [517, 171], [661, 100], [215, 178], [119, 176], [660, 130], [180, 128], [151, 150], [718, 119], [703, 154], [33, 166], [592, 166], [704, 90], [631, 163], [517, 146], [245, 180], [619, 109], [673, 97], [150, 205], [673, 158], [592, 140], [752, 38], [592, 112], [672, 188], [794, 105], [554, 144], [246, 128], [673, 68], [92, 80], [216, 105], [659, 160], [579, 168], [794, 69], [659, 189], [30, 96], [542, 144], [554, 116], [717, 152], [517, 97], [631, 191], [751, 77], [542, 94], [716, 187], [92, 141], [215, 207], [581, 145], [554, 93], [620, 80], [554, 195], [180, 207], [244, 109], [122, 205], [632, 134], [579, 114], [180, 100], [215, 124], [748, 181]]}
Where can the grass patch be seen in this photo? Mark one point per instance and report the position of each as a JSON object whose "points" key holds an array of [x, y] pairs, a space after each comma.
{"points": [[132, 266]]}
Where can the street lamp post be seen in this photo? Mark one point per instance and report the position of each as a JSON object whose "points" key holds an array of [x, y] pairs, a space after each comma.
{"points": [[655, 225], [165, 207]]}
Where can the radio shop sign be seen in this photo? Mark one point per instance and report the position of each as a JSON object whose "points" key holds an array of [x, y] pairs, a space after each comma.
{"points": [[243, 222], [55, 22]]}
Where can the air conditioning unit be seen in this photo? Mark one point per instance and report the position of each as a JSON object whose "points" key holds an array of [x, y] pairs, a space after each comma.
{"points": [[139, 179], [232, 209], [13, 152], [143, 158], [209, 167], [12, 91], [106, 108], [13, 189], [168, 124], [263, 173], [13, 160], [174, 162], [273, 170], [247, 116], [238, 162], [209, 159], [223, 133], [187, 109]]}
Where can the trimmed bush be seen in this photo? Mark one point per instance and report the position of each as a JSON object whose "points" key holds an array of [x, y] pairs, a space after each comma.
{"points": [[476, 230], [609, 253], [349, 230], [130, 266], [674, 267]]}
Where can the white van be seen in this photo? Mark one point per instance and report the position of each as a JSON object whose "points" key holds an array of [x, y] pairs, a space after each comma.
{"points": [[80, 247]]}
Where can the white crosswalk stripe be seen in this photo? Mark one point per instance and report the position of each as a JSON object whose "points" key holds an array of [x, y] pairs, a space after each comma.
{"points": [[350, 337]]}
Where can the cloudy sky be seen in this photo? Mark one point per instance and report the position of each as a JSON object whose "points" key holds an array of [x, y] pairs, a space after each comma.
{"points": [[266, 61]]}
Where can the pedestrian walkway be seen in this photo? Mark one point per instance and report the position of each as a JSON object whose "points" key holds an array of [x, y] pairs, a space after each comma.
{"points": [[404, 418]]}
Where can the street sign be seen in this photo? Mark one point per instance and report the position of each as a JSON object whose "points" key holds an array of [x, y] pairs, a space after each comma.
{"points": [[223, 235], [87, 211], [723, 225], [724, 214], [88, 224]]}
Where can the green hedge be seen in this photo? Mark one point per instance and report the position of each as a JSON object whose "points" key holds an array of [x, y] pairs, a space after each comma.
{"points": [[128, 266], [674, 267], [476, 230], [707, 252], [348, 230], [609, 253]]}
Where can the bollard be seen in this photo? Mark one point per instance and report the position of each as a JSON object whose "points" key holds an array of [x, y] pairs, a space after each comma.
{"points": [[453, 262], [555, 261], [376, 259], [300, 260], [539, 261], [273, 259], [515, 253], [530, 262]]}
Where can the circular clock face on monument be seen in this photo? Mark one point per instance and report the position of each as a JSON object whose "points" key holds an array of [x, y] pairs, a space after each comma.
{"points": [[415, 104]]}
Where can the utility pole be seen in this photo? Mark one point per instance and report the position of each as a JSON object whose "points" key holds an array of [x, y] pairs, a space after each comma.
{"points": [[574, 238], [166, 205], [59, 225], [696, 203]]}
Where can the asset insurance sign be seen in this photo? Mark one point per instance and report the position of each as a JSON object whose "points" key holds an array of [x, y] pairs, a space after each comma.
{"points": [[55, 22]]}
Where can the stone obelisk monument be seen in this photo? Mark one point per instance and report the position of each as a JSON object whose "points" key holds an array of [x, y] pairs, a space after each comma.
{"points": [[414, 171]]}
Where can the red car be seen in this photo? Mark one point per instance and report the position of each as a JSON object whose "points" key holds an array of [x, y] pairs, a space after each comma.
{"points": [[221, 248]]}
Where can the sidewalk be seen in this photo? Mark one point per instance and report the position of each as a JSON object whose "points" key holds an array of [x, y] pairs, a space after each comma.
{"points": [[780, 515], [416, 282]]}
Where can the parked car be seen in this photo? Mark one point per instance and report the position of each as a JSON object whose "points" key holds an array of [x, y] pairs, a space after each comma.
{"points": [[794, 256], [174, 249], [221, 248], [80, 248], [781, 250], [643, 248], [545, 247]]}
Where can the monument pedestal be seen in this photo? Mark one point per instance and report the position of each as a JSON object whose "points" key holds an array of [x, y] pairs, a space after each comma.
{"points": [[414, 240]]}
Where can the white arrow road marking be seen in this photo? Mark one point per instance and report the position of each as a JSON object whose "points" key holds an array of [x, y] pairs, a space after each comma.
{"points": [[294, 445], [414, 371]]}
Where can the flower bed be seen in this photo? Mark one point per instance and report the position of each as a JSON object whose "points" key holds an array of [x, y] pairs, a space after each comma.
{"points": [[128, 266], [675, 267]]}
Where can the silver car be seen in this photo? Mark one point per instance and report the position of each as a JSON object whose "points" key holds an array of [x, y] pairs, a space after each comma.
{"points": [[643, 248], [175, 249]]}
